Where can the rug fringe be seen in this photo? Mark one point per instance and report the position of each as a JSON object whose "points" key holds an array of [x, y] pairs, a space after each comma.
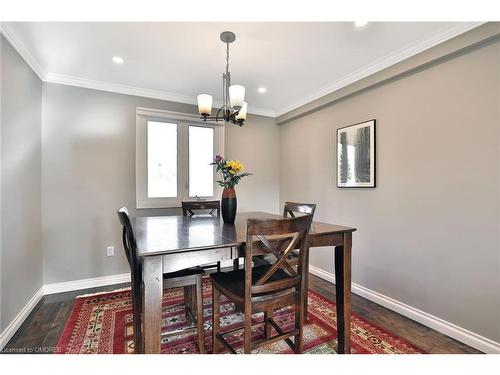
{"points": [[98, 293]]}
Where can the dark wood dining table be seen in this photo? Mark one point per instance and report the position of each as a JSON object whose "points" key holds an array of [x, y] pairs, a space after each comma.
{"points": [[171, 243]]}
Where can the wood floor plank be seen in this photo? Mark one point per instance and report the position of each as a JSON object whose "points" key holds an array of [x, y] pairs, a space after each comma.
{"points": [[46, 322]]}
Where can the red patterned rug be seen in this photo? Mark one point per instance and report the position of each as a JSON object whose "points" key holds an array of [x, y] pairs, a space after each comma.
{"points": [[102, 323]]}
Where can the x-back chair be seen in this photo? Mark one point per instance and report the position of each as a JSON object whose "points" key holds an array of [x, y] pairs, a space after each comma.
{"points": [[289, 210], [267, 287], [189, 209]]}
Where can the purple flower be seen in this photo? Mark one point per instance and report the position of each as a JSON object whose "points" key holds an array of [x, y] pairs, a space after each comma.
{"points": [[218, 158]]}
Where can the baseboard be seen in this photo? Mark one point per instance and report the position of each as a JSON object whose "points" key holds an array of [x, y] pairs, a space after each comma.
{"points": [[86, 283], [463, 335], [479, 342], [12, 328]]}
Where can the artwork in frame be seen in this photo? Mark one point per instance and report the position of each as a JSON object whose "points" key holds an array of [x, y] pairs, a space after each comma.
{"points": [[356, 155]]}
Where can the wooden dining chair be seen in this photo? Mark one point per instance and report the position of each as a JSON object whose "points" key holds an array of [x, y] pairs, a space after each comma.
{"points": [[189, 209], [267, 287], [289, 210], [190, 279]]}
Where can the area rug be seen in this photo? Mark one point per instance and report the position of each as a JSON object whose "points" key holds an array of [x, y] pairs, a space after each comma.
{"points": [[102, 323]]}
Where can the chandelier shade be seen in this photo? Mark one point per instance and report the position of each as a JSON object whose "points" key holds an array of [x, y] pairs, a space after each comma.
{"points": [[234, 107], [236, 96], [205, 104], [242, 113]]}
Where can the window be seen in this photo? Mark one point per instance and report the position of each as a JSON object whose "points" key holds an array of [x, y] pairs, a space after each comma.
{"points": [[201, 154], [162, 159], [173, 156]]}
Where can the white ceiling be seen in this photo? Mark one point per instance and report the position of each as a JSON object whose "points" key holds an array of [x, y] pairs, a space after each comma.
{"points": [[296, 61]]}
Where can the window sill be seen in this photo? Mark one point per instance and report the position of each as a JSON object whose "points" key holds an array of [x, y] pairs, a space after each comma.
{"points": [[172, 204]]}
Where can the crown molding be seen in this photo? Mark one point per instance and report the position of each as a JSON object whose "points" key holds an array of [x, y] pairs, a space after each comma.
{"points": [[382, 63], [364, 72], [118, 88], [61, 79], [137, 91], [8, 33]]}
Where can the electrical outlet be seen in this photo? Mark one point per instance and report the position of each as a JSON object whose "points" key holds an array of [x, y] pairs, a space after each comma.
{"points": [[111, 251]]}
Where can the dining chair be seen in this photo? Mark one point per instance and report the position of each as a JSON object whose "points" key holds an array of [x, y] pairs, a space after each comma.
{"points": [[190, 279], [189, 209], [289, 210], [268, 287]]}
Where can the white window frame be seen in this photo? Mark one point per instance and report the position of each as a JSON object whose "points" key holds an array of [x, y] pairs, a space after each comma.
{"points": [[183, 120]]}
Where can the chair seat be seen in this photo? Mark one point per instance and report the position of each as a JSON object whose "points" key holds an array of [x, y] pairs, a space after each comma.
{"points": [[234, 281], [185, 272]]}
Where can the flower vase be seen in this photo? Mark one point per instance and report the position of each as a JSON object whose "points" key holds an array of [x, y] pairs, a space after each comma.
{"points": [[228, 205]]}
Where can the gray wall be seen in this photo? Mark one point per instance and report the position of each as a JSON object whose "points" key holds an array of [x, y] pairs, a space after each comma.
{"points": [[21, 256], [88, 156], [428, 235]]}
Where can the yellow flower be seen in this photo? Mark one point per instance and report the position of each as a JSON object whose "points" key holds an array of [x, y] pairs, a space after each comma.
{"points": [[234, 166]]}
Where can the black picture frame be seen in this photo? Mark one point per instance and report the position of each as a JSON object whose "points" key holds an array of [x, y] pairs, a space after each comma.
{"points": [[356, 165]]}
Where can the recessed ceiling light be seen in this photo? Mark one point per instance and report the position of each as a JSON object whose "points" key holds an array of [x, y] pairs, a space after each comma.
{"points": [[262, 90], [117, 60], [360, 23]]}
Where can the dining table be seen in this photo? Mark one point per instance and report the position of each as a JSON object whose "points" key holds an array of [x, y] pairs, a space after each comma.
{"points": [[171, 243]]}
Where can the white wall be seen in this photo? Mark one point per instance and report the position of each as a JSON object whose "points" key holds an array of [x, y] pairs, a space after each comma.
{"points": [[257, 146], [438, 192], [88, 159], [428, 234], [20, 128]]}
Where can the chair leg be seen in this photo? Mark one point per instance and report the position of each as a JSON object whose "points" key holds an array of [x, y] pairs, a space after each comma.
{"points": [[199, 315], [306, 302], [236, 267], [218, 266], [299, 324], [137, 314], [267, 325], [215, 318], [247, 333], [306, 291], [193, 298], [188, 303]]}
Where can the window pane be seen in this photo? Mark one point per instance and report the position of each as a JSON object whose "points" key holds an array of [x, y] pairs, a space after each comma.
{"points": [[201, 154], [162, 159]]}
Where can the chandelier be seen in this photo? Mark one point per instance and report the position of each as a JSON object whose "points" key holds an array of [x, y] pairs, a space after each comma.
{"points": [[234, 108]]}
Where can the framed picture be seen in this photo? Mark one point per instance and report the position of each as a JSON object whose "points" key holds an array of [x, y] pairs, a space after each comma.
{"points": [[356, 155]]}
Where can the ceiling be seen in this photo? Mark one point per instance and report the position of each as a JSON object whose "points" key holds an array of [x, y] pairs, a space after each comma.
{"points": [[296, 61]]}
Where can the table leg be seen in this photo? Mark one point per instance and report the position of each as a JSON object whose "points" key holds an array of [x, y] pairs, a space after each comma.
{"points": [[152, 276], [343, 293]]}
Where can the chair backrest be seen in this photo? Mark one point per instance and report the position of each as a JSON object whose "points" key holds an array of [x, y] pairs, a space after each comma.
{"points": [[293, 207], [188, 207], [130, 247], [278, 237]]}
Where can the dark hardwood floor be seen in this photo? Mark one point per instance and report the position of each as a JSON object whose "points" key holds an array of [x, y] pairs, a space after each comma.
{"points": [[425, 338], [41, 330]]}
